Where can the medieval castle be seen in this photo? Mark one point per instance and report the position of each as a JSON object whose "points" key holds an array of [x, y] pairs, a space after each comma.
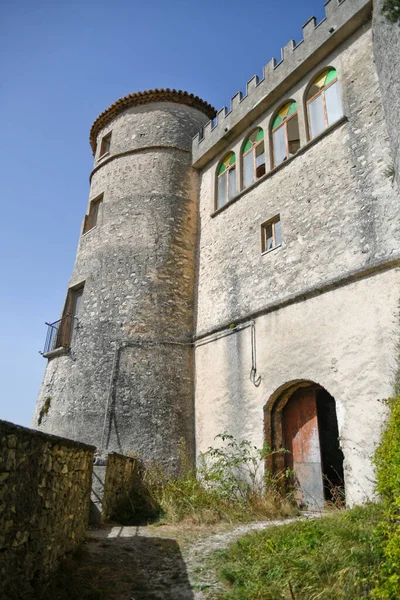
{"points": [[238, 272]]}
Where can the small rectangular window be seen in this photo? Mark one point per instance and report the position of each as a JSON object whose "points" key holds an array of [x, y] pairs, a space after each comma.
{"points": [[271, 234], [91, 217], [105, 145]]}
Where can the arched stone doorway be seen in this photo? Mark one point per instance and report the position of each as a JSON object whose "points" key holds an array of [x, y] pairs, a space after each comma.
{"points": [[301, 417]]}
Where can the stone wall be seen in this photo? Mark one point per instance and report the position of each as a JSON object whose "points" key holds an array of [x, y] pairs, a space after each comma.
{"points": [[339, 212], [387, 52], [120, 486], [44, 504], [118, 493]]}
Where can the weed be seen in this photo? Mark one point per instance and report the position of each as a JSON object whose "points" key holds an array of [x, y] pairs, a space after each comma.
{"points": [[227, 486], [390, 172]]}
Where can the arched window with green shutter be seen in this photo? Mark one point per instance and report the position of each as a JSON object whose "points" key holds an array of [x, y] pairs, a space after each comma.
{"points": [[324, 104], [253, 157], [226, 179], [285, 133]]}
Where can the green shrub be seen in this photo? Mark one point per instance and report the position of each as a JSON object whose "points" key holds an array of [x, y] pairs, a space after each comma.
{"points": [[387, 460]]}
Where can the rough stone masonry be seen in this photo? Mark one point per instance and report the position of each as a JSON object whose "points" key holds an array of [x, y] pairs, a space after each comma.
{"points": [[45, 484]]}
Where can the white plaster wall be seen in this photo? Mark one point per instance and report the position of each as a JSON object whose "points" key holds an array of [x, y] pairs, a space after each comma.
{"points": [[345, 340]]}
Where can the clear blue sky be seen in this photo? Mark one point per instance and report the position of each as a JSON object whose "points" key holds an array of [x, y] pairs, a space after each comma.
{"points": [[62, 63]]}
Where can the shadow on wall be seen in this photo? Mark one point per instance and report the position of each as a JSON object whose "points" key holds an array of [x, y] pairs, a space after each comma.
{"points": [[236, 419], [118, 566]]}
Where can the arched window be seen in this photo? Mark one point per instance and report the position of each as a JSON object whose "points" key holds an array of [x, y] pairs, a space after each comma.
{"points": [[285, 133], [226, 179], [253, 157], [323, 102]]}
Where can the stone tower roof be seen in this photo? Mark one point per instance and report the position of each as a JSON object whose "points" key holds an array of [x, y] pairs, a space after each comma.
{"points": [[146, 97]]}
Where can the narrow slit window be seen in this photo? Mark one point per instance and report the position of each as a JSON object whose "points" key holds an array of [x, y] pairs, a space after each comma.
{"points": [[323, 102], [285, 133], [91, 217], [253, 157], [105, 145], [271, 234], [226, 187]]}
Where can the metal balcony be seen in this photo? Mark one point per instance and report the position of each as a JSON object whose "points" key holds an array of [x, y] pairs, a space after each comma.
{"points": [[58, 335]]}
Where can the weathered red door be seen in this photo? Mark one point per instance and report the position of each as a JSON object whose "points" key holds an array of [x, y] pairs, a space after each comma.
{"points": [[301, 439]]}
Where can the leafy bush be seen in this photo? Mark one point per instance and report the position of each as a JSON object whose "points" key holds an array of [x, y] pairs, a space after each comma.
{"points": [[391, 10], [333, 558], [234, 469], [387, 460]]}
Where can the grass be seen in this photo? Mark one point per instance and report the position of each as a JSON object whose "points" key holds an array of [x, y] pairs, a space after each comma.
{"points": [[227, 486], [187, 500], [333, 558]]}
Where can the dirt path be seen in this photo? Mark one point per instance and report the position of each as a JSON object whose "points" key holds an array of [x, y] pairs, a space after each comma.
{"points": [[161, 563]]}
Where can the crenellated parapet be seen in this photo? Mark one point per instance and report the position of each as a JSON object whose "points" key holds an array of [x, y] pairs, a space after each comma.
{"points": [[319, 39]]}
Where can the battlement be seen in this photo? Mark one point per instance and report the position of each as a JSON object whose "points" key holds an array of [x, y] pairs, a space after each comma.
{"points": [[343, 18]]}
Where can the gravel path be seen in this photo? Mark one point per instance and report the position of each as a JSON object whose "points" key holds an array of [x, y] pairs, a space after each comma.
{"points": [[165, 562]]}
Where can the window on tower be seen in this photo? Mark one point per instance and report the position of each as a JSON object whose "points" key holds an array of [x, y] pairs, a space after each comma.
{"points": [[105, 145], [91, 217], [69, 322], [60, 333], [75, 308]]}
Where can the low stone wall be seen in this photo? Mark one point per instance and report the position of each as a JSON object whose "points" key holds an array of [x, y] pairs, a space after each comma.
{"points": [[45, 486], [124, 496], [121, 479]]}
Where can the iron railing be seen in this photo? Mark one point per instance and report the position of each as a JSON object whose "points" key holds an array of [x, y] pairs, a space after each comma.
{"points": [[58, 334]]}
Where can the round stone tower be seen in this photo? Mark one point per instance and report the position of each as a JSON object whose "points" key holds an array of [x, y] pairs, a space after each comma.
{"points": [[120, 373]]}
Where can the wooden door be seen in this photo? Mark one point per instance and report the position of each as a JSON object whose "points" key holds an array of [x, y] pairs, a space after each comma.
{"points": [[301, 439]]}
